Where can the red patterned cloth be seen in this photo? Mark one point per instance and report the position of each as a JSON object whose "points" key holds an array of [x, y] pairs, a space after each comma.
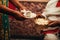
{"points": [[56, 30], [58, 4], [51, 31], [11, 6]]}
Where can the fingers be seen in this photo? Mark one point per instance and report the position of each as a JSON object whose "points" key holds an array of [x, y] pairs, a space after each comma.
{"points": [[39, 15], [18, 15], [55, 23], [22, 7]]}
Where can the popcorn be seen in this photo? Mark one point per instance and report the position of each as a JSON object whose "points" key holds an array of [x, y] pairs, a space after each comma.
{"points": [[41, 21]]}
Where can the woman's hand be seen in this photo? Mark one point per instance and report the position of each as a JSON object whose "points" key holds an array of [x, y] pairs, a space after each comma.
{"points": [[18, 15], [40, 16], [54, 23]]}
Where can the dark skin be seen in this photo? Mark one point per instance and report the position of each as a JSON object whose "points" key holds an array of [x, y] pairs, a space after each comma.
{"points": [[16, 14], [54, 23]]}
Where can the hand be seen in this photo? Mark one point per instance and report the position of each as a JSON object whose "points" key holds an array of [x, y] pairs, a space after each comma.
{"points": [[19, 16], [39, 15], [22, 7], [54, 23]]}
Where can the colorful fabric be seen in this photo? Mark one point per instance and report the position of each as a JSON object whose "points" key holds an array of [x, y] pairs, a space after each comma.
{"points": [[58, 4]]}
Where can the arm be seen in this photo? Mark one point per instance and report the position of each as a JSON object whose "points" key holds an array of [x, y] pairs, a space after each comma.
{"points": [[49, 28], [17, 4], [54, 23], [6, 10]]}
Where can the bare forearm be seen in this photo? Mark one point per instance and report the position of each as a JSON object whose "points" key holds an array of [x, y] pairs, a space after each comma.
{"points": [[17, 4], [4, 9], [50, 29]]}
